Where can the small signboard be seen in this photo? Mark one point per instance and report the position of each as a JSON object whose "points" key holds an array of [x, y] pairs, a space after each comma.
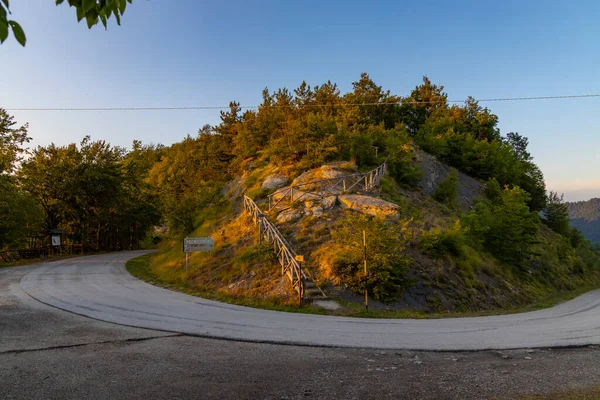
{"points": [[194, 244], [55, 240]]}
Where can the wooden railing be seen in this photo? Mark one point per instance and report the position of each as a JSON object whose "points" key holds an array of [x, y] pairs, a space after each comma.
{"points": [[283, 251], [326, 187]]}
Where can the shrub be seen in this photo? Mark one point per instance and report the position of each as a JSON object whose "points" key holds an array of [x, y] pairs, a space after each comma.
{"points": [[447, 190], [506, 228], [439, 243], [386, 264], [400, 153]]}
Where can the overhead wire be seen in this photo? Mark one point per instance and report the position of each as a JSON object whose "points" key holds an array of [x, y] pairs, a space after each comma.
{"points": [[196, 108]]}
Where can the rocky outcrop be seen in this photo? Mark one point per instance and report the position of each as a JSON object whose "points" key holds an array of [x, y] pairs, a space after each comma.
{"points": [[299, 195], [274, 181], [328, 202], [369, 205], [328, 171], [291, 215], [233, 188]]}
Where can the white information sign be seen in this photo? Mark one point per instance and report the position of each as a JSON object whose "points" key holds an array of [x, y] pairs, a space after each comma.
{"points": [[55, 240], [193, 244]]}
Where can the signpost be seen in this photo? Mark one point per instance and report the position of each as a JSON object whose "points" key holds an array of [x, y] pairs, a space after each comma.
{"points": [[196, 244]]}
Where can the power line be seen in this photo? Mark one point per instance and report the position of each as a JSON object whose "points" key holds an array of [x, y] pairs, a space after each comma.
{"points": [[197, 108]]}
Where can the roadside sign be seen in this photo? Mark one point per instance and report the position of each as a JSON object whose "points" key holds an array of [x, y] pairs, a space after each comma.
{"points": [[194, 244], [55, 240]]}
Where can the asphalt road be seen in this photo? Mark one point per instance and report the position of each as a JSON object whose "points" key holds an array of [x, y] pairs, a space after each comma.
{"points": [[99, 287], [47, 353]]}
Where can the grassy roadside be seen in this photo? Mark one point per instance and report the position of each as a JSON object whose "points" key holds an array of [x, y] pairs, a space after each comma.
{"points": [[547, 302], [140, 268]]}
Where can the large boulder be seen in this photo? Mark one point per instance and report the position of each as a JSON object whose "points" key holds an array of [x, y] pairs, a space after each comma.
{"points": [[290, 215], [328, 171], [368, 205], [274, 181], [328, 202]]}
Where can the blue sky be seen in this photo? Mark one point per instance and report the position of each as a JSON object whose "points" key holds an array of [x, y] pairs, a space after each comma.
{"points": [[205, 53]]}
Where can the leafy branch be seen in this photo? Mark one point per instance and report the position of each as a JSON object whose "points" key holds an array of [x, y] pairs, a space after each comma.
{"points": [[93, 11]]}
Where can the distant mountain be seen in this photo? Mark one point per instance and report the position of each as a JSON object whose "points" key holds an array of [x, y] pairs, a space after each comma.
{"points": [[585, 216]]}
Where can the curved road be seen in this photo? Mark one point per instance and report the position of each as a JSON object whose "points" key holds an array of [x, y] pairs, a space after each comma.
{"points": [[99, 287]]}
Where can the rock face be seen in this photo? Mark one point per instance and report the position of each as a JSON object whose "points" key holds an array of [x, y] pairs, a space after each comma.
{"points": [[233, 188], [290, 215], [274, 181], [369, 205], [435, 172]]}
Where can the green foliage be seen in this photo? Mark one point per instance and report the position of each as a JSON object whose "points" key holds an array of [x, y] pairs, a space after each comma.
{"points": [[188, 178], [440, 243], [6, 23], [92, 10], [12, 140], [576, 238], [468, 139], [93, 191], [386, 264], [21, 216], [425, 100], [447, 190], [556, 214], [398, 145], [504, 227]]}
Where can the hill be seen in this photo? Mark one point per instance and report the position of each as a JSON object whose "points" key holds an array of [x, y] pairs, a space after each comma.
{"points": [[452, 226], [585, 216]]}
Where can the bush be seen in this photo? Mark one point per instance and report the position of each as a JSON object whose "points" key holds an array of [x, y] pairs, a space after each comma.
{"points": [[439, 243], [505, 227], [387, 266], [447, 190], [556, 214], [398, 146]]}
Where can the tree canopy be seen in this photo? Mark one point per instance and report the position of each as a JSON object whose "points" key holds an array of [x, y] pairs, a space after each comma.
{"points": [[109, 197]]}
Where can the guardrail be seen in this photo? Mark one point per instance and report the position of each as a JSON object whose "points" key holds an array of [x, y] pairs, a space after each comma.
{"points": [[282, 249], [326, 187]]}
